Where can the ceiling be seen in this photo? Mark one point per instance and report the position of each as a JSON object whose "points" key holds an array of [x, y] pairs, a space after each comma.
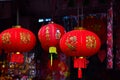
{"points": [[50, 8]]}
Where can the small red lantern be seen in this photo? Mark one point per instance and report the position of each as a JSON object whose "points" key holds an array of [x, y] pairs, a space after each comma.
{"points": [[81, 43], [17, 57], [17, 39], [49, 36]]}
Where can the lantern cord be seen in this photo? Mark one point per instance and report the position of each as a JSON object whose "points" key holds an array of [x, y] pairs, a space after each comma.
{"points": [[53, 4], [82, 13], [17, 16], [17, 12], [51, 58], [78, 15]]}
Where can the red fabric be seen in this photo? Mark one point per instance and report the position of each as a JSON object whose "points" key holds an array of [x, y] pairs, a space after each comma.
{"points": [[17, 58], [79, 73], [17, 40], [80, 63], [80, 43]]}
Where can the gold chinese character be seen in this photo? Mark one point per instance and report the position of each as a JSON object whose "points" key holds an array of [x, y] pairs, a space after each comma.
{"points": [[24, 37], [90, 42], [6, 38], [47, 33], [71, 42]]}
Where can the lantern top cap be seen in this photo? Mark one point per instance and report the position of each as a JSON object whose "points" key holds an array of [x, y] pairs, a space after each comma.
{"points": [[17, 52], [51, 22], [79, 28], [17, 26]]}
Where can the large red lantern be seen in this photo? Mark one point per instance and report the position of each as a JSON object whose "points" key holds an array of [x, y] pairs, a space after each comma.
{"points": [[49, 36], [17, 39], [80, 43]]}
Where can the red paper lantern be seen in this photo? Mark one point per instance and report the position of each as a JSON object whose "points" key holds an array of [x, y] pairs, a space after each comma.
{"points": [[80, 43], [17, 58], [17, 39], [50, 34]]}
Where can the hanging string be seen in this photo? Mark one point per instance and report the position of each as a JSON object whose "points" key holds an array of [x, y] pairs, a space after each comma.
{"points": [[78, 6], [82, 15], [78, 14], [53, 4], [17, 16]]}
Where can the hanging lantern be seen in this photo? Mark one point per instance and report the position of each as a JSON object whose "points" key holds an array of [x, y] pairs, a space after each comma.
{"points": [[17, 58], [49, 36], [17, 39], [80, 43]]}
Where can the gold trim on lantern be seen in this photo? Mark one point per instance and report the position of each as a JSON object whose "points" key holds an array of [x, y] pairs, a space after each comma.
{"points": [[17, 26], [17, 52], [79, 28]]}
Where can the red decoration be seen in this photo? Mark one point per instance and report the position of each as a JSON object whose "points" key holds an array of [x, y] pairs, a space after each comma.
{"points": [[17, 39], [96, 25], [80, 43], [79, 73], [17, 58], [50, 34], [80, 62]]}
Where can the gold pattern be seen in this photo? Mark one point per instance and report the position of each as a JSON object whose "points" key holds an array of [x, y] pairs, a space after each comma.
{"points": [[58, 34], [90, 42], [47, 33], [71, 42], [25, 37], [6, 38]]}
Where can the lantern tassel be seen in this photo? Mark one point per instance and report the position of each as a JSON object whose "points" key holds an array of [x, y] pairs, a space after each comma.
{"points": [[51, 59], [52, 50], [79, 73]]}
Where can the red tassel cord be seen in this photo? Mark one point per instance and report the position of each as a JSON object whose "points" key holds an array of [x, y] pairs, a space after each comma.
{"points": [[79, 73]]}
